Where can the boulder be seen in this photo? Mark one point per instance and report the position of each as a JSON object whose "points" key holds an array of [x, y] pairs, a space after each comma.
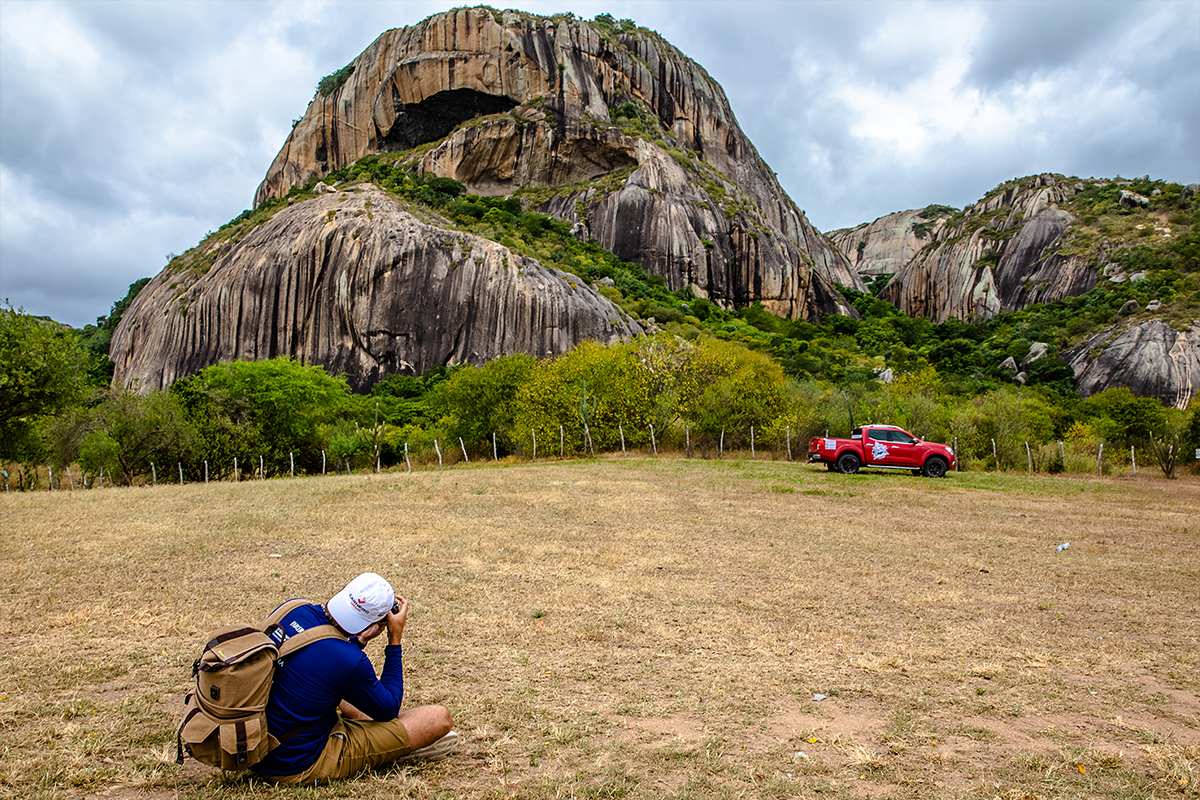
{"points": [[1009, 364], [1154, 305], [1038, 350], [356, 284], [1150, 359], [885, 375], [1130, 199], [1191, 190], [625, 132], [1130, 307]]}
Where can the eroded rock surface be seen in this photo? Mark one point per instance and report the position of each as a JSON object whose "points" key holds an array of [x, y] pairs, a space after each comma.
{"points": [[671, 183], [1001, 253], [1151, 359], [884, 246], [353, 283]]}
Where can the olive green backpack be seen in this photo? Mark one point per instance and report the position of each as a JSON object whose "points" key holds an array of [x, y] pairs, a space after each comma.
{"points": [[225, 717]]}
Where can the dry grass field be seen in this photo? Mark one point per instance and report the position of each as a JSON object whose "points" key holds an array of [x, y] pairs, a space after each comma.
{"points": [[640, 628]]}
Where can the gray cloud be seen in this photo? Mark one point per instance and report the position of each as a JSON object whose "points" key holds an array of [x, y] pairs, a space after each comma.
{"points": [[128, 130]]}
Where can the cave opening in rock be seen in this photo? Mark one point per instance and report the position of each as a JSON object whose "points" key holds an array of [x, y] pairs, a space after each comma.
{"points": [[438, 114]]}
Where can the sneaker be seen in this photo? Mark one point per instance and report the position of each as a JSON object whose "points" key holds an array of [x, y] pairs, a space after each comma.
{"points": [[442, 747]]}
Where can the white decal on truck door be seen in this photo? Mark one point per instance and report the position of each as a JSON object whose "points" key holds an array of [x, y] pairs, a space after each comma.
{"points": [[879, 451]]}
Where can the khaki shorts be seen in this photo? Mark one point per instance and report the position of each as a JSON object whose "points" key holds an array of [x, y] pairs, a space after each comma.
{"points": [[353, 746]]}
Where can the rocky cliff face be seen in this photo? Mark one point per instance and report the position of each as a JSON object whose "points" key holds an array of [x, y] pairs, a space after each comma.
{"points": [[619, 132], [1001, 253], [884, 246], [1150, 359], [350, 281]]}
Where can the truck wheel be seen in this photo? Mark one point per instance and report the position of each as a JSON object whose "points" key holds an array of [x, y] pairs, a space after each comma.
{"points": [[936, 467], [847, 463]]}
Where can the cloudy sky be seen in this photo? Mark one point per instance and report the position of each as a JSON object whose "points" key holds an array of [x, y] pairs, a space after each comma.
{"points": [[128, 129]]}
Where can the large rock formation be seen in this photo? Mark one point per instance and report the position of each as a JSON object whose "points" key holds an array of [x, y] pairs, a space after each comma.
{"points": [[350, 281], [1151, 359], [1001, 253], [884, 246], [619, 131]]}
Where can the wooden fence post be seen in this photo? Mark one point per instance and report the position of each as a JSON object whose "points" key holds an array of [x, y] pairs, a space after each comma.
{"points": [[292, 461], [721, 446], [235, 470], [1029, 457], [1133, 459], [751, 442], [464, 449], [687, 433], [439, 452], [653, 442], [789, 442], [494, 456], [206, 472], [406, 461], [1099, 456], [180, 465], [561, 441], [262, 472], [533, 433], [621, 430], [153, 475]]}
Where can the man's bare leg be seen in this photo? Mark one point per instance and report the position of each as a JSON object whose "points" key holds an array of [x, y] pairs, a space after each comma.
{"points": [[424, 724]]}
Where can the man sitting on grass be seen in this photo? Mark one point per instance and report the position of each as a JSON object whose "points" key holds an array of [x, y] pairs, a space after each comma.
{"points": [[334, 717]]}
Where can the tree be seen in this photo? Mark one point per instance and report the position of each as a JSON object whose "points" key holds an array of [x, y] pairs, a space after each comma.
{"points": [[275, 406], [124, 432], [1123, 417], [41, 373], [474, 402]]}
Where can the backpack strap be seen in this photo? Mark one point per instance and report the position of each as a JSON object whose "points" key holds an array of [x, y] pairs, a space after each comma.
{"points": [[302, 640], [297, 641], [278, 614], [179, 732]]}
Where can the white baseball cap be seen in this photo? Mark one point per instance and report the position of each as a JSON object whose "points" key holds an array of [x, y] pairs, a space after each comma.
{"points": [[365, 600]]}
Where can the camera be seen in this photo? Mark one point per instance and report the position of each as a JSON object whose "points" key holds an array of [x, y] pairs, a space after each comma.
{"points": [[395, 606]]}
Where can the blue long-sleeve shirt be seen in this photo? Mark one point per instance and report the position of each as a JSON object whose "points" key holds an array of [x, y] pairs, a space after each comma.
{"points": [[309, 684]]}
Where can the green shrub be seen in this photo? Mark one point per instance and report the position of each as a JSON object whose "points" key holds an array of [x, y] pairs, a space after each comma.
{"points": [[334, 80]]}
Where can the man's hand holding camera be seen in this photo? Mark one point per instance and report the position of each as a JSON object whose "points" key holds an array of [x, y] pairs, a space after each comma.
{"points": [[393, 623]]}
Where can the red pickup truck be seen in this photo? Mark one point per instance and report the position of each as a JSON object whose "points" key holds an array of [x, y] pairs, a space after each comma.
{"points": [[882, 447]]}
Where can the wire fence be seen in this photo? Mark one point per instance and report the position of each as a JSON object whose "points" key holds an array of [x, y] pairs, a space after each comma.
{"points": [[1039, 458]]}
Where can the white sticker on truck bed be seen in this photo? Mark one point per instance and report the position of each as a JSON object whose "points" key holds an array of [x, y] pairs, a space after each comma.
{"points": [[830, 444]]}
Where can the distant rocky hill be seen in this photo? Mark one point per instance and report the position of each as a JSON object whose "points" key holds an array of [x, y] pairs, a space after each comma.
{"points": [[1045, 238], [602, 124], [1001, 253], [881, 248], [614, 128]]}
